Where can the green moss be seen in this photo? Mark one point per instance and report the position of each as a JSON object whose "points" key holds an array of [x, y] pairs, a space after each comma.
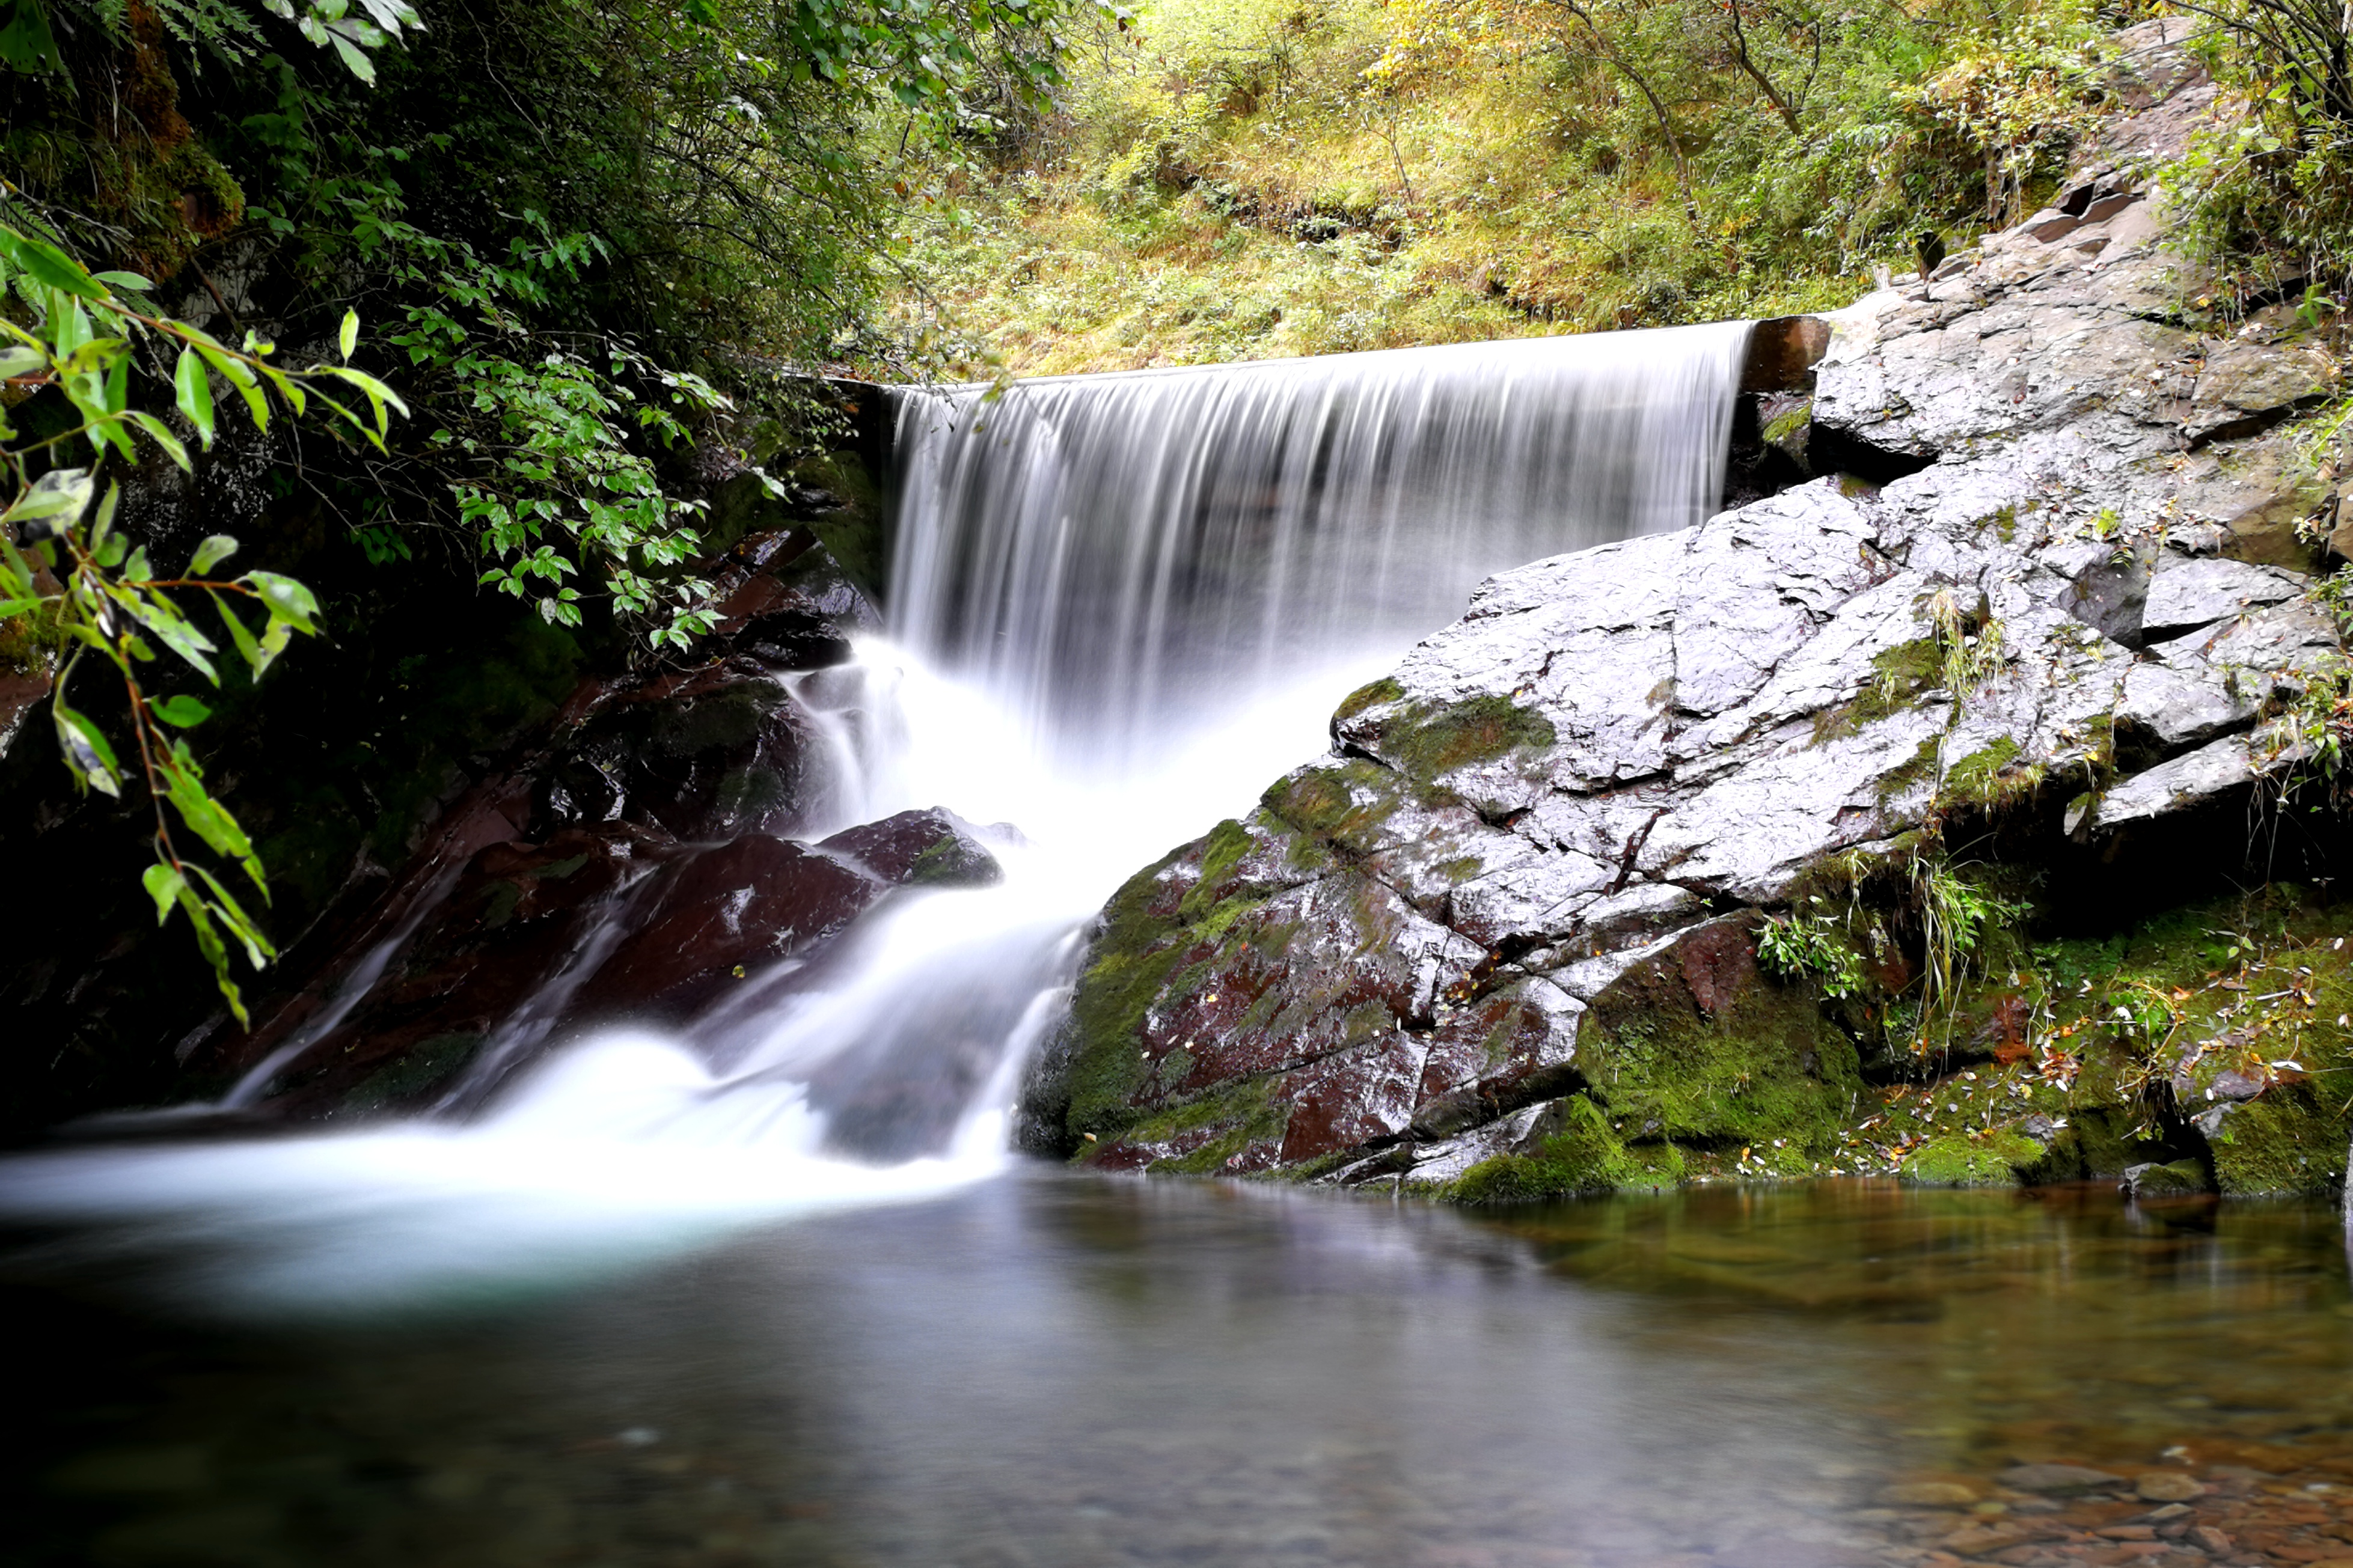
{"points": [[1583, 1154], [1918, 767], [1371, 695], [1983, 781], [2174, 1179], [1765, 1066], [1222, 850], [854, 534], [953, 862], [2004, 523], [1348, 802], [1782, 428], [2287, 1141], [30, 641], [1155, 944], [1241, 1113], [1138, 956], [1898, 676], [1429, 742], [1956, 1160]]}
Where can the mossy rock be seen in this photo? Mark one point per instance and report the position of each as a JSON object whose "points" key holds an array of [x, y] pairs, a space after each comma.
{"points": [[1899, 677], [1168, 922], [1373, 694], [2175, 1179], [1996, 1159], [1235, 1115], [2288, 1141], [1576, 1151], [1698, 1047], [1429, 742], [1348, 804]]}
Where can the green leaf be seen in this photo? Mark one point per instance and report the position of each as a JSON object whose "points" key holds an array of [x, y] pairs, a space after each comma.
{"points": [[18, 606], [247, 650], [123, 280], [19, 360], [208, 943], [258, 950], [87, 753], [207, 818], [215, 549], [348, 338], [49, 266], [101, 521], [240, 376], [160, 433], [172, 628], [164, 884], [26, 42], [194, 391], [62, 494], [378, 394], [118, 384], [182, 713], [288, 600]]}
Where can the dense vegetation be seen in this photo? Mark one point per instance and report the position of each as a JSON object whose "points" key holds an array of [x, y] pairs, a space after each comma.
{"points": [[589, 245], [1234, 178], [1239, 178]]}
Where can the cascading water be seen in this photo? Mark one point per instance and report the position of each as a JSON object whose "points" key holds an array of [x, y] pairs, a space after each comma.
{"points": [[1117, 558], [1120, 605]]}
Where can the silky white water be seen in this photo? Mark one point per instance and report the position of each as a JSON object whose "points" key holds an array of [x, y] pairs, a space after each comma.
{"points": [[1120, 606]]}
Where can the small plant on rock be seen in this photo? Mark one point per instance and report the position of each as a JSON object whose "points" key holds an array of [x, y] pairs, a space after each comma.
{"points": [[1809, 943]]}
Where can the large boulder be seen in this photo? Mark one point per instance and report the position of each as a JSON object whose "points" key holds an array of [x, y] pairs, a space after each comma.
{"points": [[1504, 936]]}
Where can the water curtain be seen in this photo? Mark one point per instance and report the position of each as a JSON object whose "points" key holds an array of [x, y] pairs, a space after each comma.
{"points": [[1115, 555]]}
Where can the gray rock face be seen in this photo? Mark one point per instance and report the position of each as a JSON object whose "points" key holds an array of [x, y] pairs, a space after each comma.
{"points": [[1614, 751], [2185, 595]]}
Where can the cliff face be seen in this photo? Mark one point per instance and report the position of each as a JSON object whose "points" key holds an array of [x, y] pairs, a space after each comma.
{"points": [[1505, 938]]}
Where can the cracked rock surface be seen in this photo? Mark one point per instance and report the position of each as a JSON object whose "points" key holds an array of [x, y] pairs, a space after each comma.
{"points": [[1535, 855]]}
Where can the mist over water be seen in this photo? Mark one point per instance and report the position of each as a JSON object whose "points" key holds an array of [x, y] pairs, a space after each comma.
{"points": [[1120, 606]]}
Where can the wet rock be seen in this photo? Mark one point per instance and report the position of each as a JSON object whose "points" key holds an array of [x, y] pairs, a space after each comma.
{"points": [[2180, 1179], [1928, 1494], [401, 1021], [748, 902], [2168, 1486], [2202, 775], [919, 849], [2055, 1478], [2185, 595], [697, 754]]}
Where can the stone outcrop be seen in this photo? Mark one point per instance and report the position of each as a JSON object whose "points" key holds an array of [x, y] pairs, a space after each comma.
{"points": [[1517, 907]]}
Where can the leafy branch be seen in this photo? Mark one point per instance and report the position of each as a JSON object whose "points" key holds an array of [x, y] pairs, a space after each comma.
{"points": [[63, 557]]}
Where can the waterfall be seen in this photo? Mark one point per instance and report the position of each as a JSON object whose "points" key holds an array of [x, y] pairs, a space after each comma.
{"points": [[1120, 606], [1116, 556]]}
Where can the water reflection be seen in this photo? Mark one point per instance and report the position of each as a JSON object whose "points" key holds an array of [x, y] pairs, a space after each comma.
{"points": [[1057, 1371]]}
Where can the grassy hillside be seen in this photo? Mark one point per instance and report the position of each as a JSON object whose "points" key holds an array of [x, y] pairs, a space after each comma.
{"points": [[1224, 179]]}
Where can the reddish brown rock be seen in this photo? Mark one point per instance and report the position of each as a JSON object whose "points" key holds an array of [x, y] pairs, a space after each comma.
{"points": [[919, 849], [742, 904]]}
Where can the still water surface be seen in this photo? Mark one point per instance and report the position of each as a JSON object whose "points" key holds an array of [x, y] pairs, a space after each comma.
{"points": [[1054, 1370]]}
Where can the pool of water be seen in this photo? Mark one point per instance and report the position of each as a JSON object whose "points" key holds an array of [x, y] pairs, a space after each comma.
{"points": [[1048, 1369]]}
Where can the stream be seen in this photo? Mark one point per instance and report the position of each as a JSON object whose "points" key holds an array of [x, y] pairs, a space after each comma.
{"points": [[1051, 1369]]}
